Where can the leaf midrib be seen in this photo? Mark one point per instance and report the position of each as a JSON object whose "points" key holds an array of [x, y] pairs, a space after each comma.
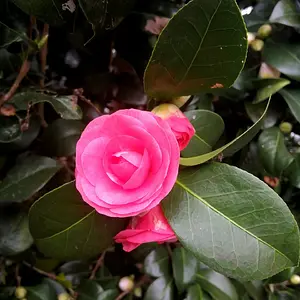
{"points": [[200, 45], [68, 228], [228, 219]]}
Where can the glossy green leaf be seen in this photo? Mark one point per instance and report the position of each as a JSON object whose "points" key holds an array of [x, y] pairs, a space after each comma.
{"points": [[49, 11], [14, 232], [291, 97], [42, 291], [80, 233], [273, 152], [63, 105], [203, 47], [256, 289], [10, 129], [108, 295], [25, 139], [281, 277], [60, 137], [255, 111], [195, 292], [285, 13], [89, 290], [260, 14], [185, 267], [59, 288], [293, 171], [157, 263], [230, 148], [161, 289], [217, 285], [284, 57], [209, 127], [27, 177], [268, 87], [232, 221], [105, 14]]}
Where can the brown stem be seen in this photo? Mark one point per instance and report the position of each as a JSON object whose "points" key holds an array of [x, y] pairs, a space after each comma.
{"points": [[49, 275], [143, 280], [23, 72], [79, 94], [98, 265], [18, 277], [43, 59]]}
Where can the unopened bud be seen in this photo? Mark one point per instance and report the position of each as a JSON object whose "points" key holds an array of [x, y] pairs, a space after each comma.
{"points": [[126, 284], [267, 71], [264, 31], [138, 292], [166, 110], [63, 296], [180, 101], [250, 37], [257, 45], [20, 292], [286, 127], [295, 279]]}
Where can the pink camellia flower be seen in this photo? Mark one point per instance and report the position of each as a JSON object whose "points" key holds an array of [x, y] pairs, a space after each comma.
{"points": [[179, 123], [151, 227], [126, 163]]}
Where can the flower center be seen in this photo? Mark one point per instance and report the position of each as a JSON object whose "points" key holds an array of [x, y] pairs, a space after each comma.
{"points": [[124, 163]]}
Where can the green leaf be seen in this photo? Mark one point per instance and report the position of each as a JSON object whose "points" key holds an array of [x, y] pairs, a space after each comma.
{"points": [[49, 11], [195, 292], [157, 262], [209, 127], [42, 291], [256, 289], [25, 139], [291, 97], [285, 13], [14, 232], [105, 14], [230, 148], [217, 285], [232, 222], [260, 14], [203, 47], [284, 57], [27, 177], [80, 234], [108, 295], [89, 290], [273, 152], [10, 129], [282, 276], [185, 267], [268, 87], [63, 105], [61, 136], [161, 289], [293, 171], [255, 111]]}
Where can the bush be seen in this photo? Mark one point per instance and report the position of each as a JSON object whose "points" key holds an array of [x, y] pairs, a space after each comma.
{"points": [[230, 220]]}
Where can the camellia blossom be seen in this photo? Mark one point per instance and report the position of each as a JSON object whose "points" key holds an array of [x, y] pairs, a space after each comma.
{"points": [[179, 123], [126, 162], [151, 227]]}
